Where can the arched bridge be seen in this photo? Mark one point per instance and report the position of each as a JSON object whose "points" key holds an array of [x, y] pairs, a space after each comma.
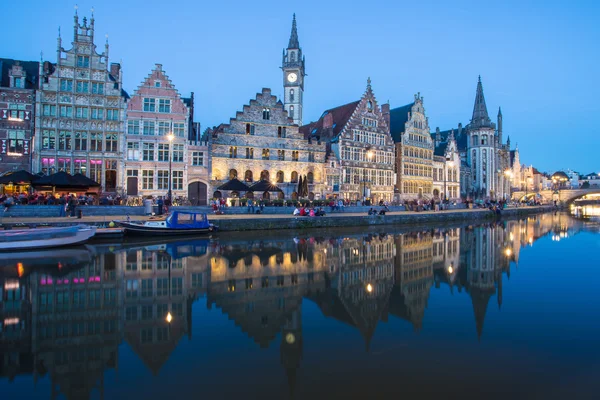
{"points": [[563, 195]]}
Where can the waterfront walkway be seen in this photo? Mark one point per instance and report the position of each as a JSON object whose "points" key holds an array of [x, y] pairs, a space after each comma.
{"points": [[235, 222]]}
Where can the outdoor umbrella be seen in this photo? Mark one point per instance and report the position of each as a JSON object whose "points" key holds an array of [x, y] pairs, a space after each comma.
{"points": [[264, 186], [300, 187], [234, 184], [18, 177], [61, 180], [85, 180]]}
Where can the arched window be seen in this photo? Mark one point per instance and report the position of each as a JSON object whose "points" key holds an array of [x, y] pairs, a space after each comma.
{"points": [[291, 111], [232, 174], [291, 95], [266, 113], [294, 177], [248, 176], [292, 56], [484, 139], [264, 175], [310, 177], [279, 176], [217, 195]]}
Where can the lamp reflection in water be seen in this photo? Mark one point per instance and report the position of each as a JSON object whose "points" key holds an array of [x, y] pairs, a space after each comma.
{"points": [[508, 252], [169, 317], [369, 288], [451, 268]]}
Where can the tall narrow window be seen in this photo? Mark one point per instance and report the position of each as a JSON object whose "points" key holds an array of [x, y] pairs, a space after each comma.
{"points": [[249, 152], [291, 111], [265, 154], [266, 113], [249, 129], [291, 95], [233, 152]]}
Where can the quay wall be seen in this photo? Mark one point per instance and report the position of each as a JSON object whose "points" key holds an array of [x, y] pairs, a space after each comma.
{"points": [[272, 221], [409, 218]]}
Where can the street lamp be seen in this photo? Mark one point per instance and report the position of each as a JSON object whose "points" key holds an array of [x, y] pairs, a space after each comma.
{"points": [[170, 137], [369, 156], [508, 174]]}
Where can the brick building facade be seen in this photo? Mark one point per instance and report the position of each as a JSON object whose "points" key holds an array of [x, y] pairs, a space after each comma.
{"points": [[18, 82], [156, 111], [358, 137]]}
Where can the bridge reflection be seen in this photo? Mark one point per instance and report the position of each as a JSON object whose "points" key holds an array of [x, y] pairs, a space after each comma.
{"points": [[66, 319]]}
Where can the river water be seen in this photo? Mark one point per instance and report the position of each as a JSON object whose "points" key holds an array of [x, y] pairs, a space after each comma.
{"points": [[502, 310]]}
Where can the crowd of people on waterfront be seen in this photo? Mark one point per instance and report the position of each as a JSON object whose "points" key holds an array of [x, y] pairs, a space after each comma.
{"points": [[51, 199]]}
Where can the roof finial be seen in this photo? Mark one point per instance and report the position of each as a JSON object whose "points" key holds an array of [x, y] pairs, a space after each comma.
{"points": [[92, 11], [369, 83], [294, 44], [59, 32], [479, 78], [76, 7]]}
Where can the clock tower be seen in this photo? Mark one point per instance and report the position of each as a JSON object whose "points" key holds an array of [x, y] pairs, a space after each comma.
{"points": [[293, 76]]}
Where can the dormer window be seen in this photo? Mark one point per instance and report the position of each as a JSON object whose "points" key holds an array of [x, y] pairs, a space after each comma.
{"points": [[266, 113], [157, 84]]}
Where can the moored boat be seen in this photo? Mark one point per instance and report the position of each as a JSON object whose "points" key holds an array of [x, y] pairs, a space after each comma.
{"points": [[43, 238], [178, 223]]}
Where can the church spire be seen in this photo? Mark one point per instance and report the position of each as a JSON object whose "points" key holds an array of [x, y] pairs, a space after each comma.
{"points": [[294, 44], [480, 113]]}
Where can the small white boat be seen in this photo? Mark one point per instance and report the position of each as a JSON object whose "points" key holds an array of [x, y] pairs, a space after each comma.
{"points": [[41, 238]]}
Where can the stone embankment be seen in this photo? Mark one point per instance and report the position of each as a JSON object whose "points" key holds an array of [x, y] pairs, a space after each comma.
{"points": [[274, 218]]}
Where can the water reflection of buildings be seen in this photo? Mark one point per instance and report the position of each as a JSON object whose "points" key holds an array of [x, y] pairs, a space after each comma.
{"points": [[75, 319], [66, 319], [159, 284]]}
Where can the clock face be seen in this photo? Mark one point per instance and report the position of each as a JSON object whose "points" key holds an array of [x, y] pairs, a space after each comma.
{"points": [[292, 77]]}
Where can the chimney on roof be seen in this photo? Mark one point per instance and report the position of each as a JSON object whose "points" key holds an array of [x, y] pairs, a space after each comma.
{"points": [[328, 121], [385, 111]]}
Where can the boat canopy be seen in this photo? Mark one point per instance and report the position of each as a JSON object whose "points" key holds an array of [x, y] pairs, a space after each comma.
{"points": [[189, 220]]}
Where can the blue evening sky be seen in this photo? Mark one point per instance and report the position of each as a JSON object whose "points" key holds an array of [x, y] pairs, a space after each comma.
{"points": [[538, 59]]}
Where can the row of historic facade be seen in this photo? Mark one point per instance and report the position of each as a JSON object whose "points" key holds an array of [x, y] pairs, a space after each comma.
{"points": [[74, 115]]}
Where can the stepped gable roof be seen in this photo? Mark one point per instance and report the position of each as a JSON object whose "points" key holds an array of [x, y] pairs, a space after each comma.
{"points": [[338, 117], [398, 119], [31, 68]]}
